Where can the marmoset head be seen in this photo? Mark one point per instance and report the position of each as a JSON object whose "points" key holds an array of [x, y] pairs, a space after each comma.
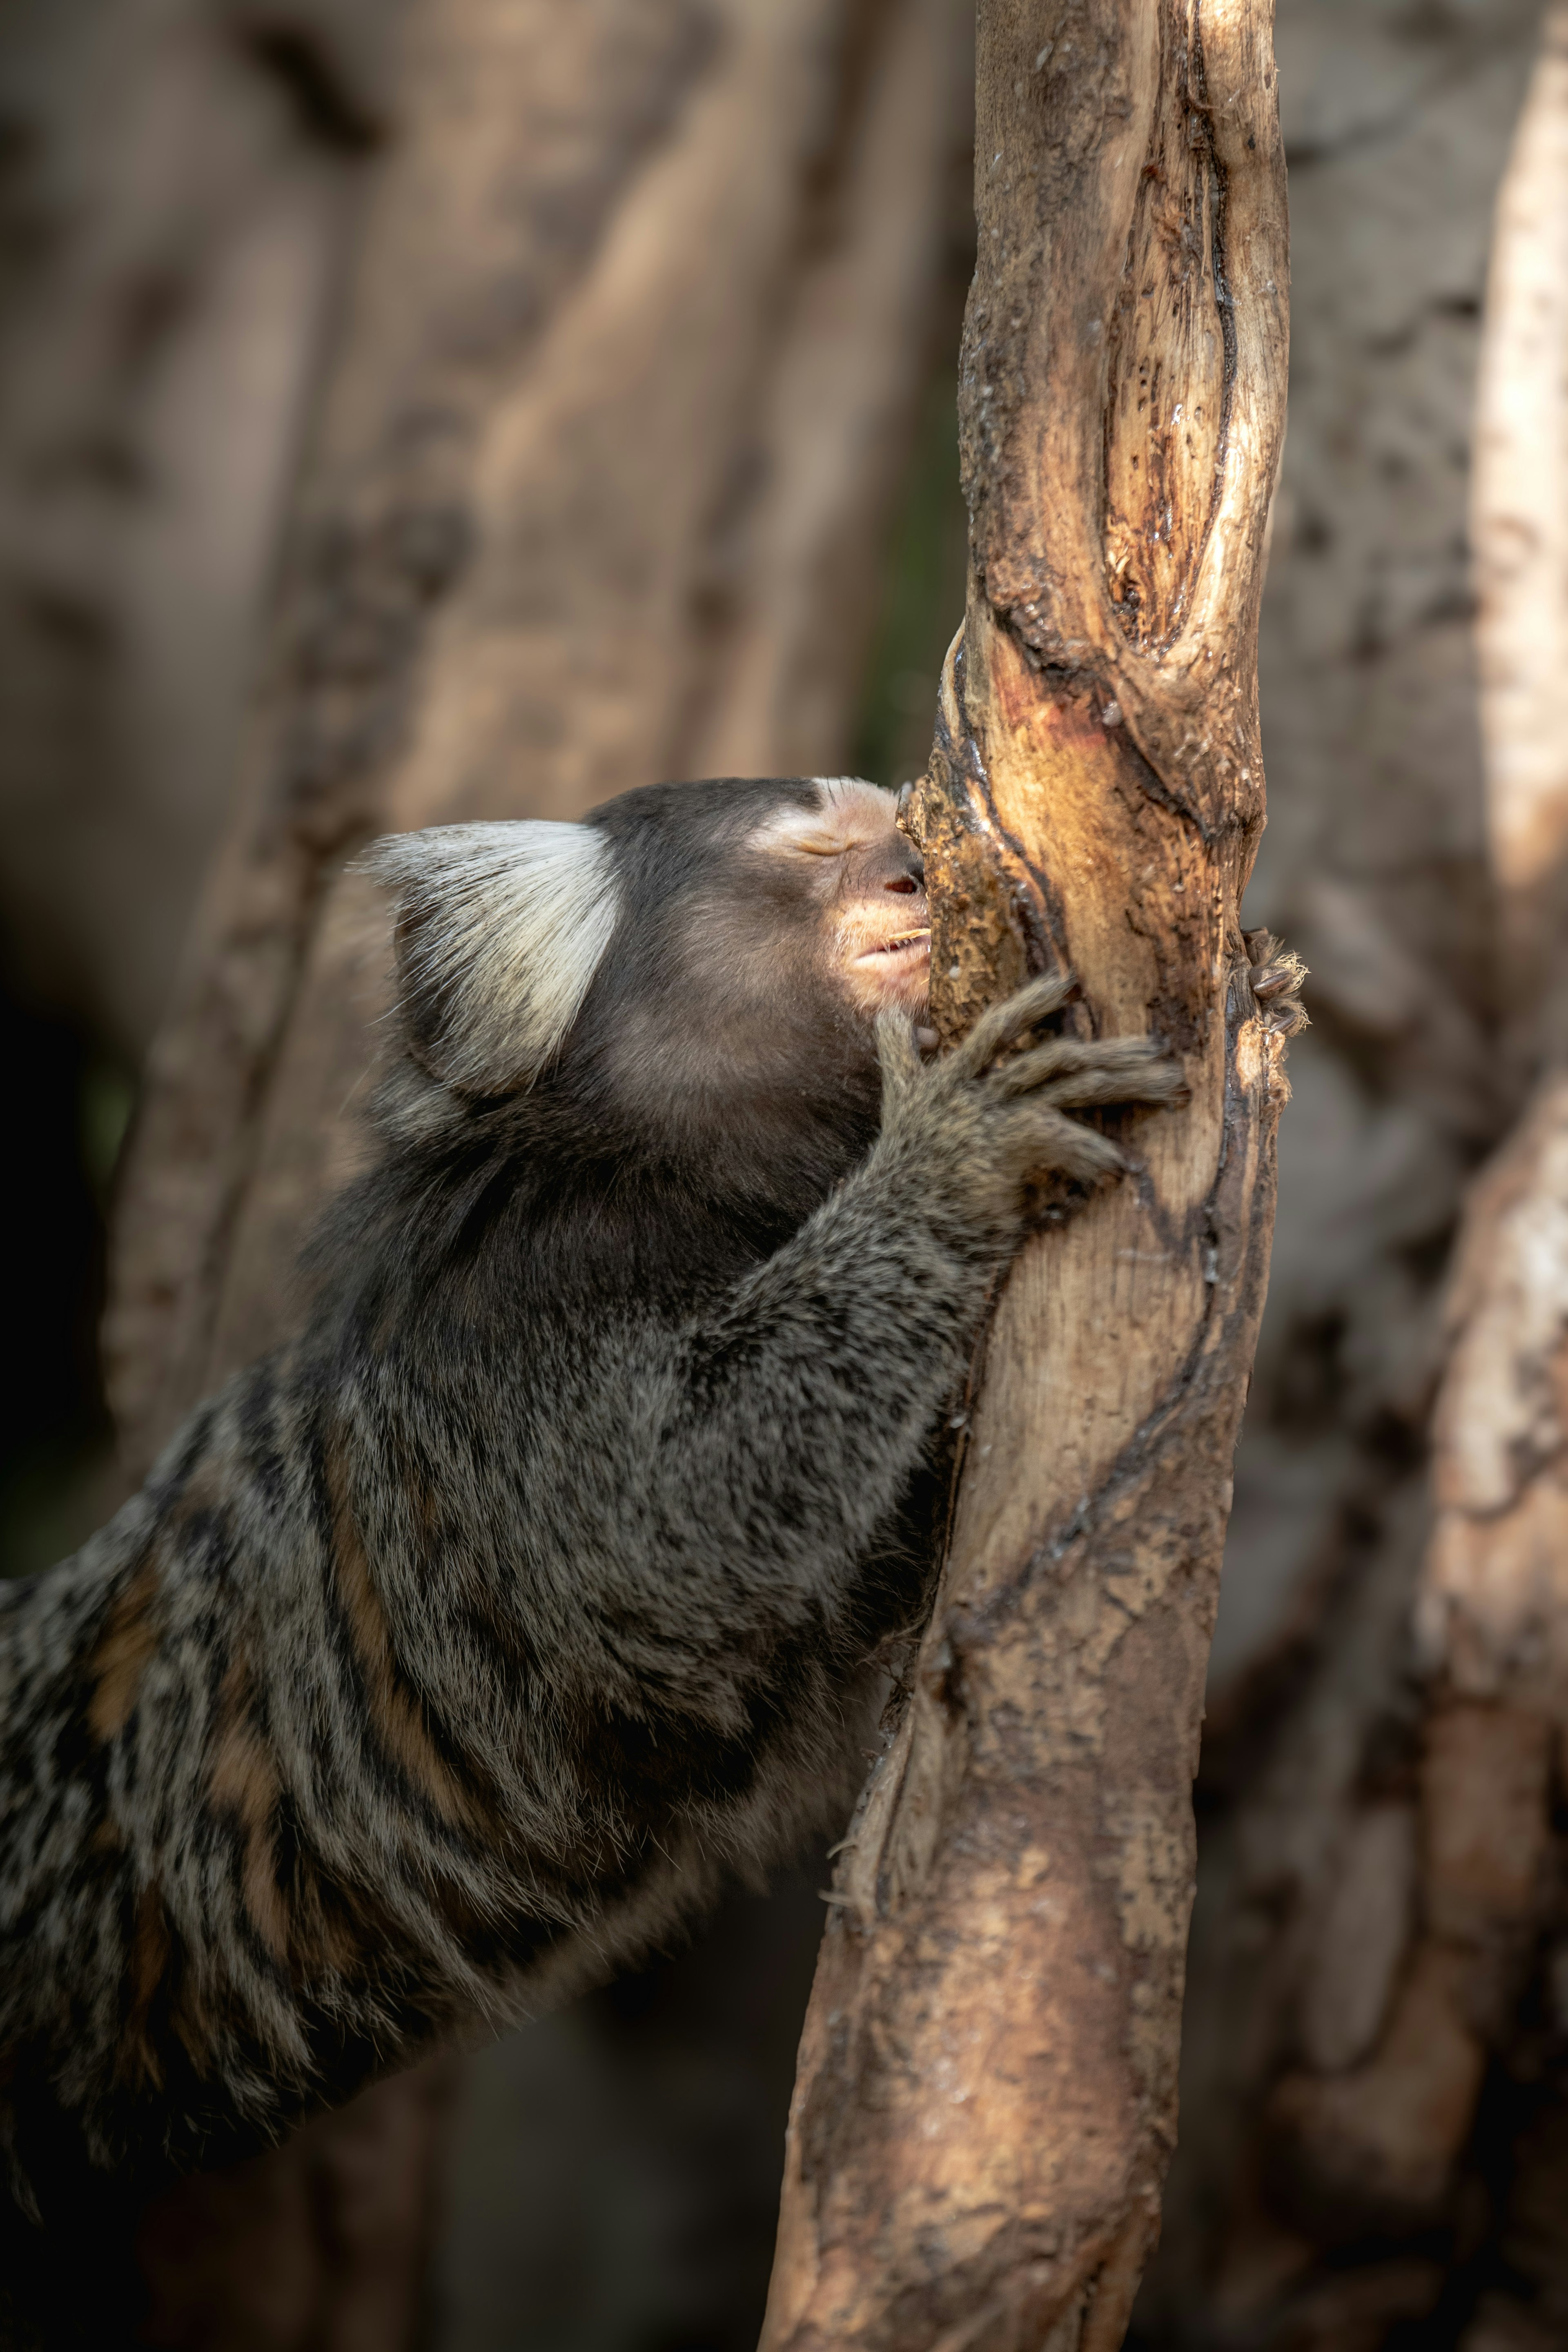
{"points": [[693, 970]]}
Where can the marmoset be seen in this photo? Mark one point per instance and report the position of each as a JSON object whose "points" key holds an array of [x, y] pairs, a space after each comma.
{"points": [[454, 1653]]}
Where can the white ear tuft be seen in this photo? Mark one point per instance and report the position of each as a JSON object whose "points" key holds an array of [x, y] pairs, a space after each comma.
{"points": [[500, 929]]}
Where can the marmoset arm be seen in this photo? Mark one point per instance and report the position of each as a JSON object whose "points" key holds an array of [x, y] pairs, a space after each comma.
{"points": [[372, 1704]]}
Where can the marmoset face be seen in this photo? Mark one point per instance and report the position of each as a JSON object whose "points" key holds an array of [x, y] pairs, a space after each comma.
{"points": [[701, 963], [867, 881]]}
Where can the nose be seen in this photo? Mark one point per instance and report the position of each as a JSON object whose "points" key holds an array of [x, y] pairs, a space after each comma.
{"points": [[911, 878]]}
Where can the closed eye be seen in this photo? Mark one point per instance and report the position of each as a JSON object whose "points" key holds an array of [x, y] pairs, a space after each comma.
{"points": [[816, 845], [851, 814]]}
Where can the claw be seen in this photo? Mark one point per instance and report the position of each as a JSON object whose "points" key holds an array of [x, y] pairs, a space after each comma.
{"points": [[1276, 975]]}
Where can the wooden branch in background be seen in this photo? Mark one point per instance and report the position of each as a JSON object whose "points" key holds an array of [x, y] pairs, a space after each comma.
{"points": [[1389, 2134], [623, 386], [627, 370], [1518, 539], [986, 2096]]}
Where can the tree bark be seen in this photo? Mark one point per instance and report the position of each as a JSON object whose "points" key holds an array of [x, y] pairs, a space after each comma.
{"points": [[1494, 1608], [986, 2094], [1383, 2152], [1491, 1608], [627, 358], [1388, 2135]]}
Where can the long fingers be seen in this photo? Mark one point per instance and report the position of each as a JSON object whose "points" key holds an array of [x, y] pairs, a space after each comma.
{"points": [[1130, 1057], [999, 1024], [1062, 1146], [1157, 1082]]}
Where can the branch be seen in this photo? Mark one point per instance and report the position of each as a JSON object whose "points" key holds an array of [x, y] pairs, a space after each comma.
{"points": [[1518, 527], [986, 2096], [1492, 1606], [544, 545]]}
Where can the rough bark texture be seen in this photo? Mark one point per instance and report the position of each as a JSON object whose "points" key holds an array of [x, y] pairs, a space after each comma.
{"points": [[624, 370], [987, 2098], [1375, 2133]]}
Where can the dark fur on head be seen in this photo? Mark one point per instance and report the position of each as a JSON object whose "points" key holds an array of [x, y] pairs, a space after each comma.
{"points": [[713, 1029], [452, 1655]]}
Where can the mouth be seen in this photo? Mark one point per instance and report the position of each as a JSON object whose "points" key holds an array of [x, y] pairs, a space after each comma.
{"points": [[904, 945]]}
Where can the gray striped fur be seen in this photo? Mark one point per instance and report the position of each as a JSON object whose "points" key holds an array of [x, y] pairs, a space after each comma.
{"points": [[453, 1654]]}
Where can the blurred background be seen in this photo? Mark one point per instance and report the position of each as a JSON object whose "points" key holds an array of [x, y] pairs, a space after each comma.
{"points": [[422, 409]]}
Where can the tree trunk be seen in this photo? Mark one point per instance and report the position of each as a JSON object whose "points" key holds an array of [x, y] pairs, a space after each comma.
{"points": [[627, 364], [986, 2096]]}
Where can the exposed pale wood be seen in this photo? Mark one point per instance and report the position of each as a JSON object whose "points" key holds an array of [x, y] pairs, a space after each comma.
{"points": [[986, 2094]]}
